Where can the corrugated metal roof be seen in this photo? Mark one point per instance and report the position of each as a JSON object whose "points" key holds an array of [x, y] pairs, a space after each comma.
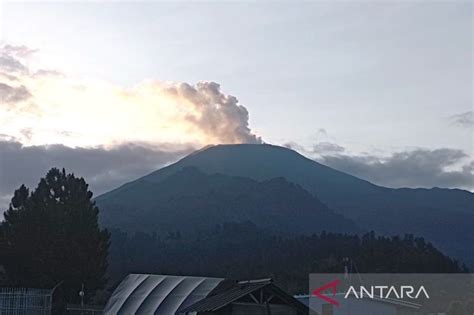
{"points": [[158, 294], [226, 296], [219, 300]]}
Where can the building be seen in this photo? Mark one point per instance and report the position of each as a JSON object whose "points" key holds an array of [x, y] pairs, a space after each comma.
{"points": [[181, 295]]}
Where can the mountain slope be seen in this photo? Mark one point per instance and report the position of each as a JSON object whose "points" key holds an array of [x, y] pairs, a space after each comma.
{"points": [[190, 200], [443, 216]]}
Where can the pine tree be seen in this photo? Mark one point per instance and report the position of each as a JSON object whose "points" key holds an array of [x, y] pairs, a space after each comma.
{"points": [[52, 235]]}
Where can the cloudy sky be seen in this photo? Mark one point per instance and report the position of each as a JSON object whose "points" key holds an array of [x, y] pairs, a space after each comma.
{"points": [[113, 90]]}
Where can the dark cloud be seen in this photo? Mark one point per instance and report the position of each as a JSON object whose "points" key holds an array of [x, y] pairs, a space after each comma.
{"points": [[20, 51], [47, 73], [27, 133], [8, 76], [103, 169], [11, 65], [11, 58], [465, 120], [12, 61], [294, 146], [11, 94], [418, 168], [327, 147], [320, 148]]}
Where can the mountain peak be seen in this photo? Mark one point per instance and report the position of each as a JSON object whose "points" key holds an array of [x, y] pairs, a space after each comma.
{"points": [[258, 161], [372, 207]]}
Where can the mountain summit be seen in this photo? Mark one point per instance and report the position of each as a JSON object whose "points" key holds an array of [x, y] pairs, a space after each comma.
{"points": [[442, 216]]}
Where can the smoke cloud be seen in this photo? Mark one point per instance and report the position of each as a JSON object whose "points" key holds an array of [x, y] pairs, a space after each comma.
{"points": [[79, 112]]}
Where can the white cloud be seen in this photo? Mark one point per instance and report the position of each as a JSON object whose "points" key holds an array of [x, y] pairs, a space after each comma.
{"points": [[58, 108]]}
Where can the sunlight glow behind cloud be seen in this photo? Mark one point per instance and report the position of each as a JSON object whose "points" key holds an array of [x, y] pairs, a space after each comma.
{"points": [[41, 106]]}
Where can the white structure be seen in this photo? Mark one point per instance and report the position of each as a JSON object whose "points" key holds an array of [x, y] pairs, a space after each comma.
{"points": [[158, 294]]}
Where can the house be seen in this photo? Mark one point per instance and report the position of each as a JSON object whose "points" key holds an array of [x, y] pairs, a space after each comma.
{"points": [[182, 295]]}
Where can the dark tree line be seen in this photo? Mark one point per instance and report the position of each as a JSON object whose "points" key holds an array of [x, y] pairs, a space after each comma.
{"points": [[243, 251], [51, 236]]}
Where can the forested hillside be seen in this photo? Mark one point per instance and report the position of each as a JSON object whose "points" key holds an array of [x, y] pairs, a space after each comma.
{"points": [[243, 251], [442, 216]]}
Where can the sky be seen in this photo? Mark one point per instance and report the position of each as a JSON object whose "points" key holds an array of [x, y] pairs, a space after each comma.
{"points": [[113, 90]]}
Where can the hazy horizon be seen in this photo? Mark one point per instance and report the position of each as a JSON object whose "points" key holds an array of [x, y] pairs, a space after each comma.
{"points": [[382, 91]]}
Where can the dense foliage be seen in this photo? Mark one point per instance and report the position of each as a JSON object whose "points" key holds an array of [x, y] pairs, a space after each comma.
{"points": [[243, 251], [51, 236], [191, 200], [442, 216]]}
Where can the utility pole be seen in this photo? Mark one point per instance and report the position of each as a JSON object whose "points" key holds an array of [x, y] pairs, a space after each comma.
{"points": [[81, 294]]}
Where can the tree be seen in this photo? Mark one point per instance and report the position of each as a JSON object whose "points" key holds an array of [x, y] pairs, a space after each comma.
{"points": [[52, 235]]}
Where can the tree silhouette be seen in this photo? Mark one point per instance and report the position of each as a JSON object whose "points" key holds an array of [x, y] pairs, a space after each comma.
{"points": [[52, 235]]}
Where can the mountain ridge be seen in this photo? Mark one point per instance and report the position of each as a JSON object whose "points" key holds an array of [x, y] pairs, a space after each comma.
{"points": [[441, 215], [190, 200]]}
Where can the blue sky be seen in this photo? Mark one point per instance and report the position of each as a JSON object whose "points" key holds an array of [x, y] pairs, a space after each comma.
{"points": [[367, 73], [354, 78]]}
